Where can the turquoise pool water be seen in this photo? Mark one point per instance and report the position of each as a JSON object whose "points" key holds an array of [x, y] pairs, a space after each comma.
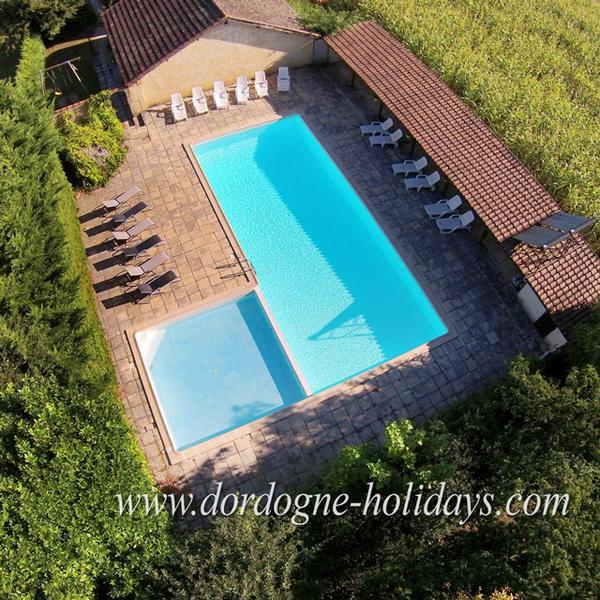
{"points": [[340, 298], [338, 290], [217, 370]]}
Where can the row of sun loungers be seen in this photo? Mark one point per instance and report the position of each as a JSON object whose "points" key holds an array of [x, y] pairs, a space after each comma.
{"points": [[443, 211], [221, 95], [123, 236]]}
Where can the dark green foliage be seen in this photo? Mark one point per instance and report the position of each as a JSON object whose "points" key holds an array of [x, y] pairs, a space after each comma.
{"points": [[65, 446], [584, 346], [326, 18], [93, 142], [43, 16], [242, 556]]}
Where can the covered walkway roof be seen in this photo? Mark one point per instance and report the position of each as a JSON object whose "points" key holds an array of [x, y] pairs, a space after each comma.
{"points": [[503, 193]]}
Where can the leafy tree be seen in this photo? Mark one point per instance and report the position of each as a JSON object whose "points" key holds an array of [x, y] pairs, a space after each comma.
{"points": [[43, 16]]}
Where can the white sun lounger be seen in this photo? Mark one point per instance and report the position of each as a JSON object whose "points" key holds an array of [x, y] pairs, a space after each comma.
{"points": [[386, 138], [132, 232], [456, 222], [422, 181], [199, 101], [242, 91], [261, 85], [121, 198], [147, 266], [178, 107], [408, 167], [376, 127], [220, 95], [283, 79], [443, 207]]}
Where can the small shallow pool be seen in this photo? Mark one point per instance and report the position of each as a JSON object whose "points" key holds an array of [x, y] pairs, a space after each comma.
{"points": [[339, 295]]}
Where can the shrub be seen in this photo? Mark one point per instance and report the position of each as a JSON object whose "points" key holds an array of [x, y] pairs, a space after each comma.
{"points": [[66, 448], [93, 143], [242, 556]]}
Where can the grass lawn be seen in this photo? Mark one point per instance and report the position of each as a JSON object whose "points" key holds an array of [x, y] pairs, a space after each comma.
{"points": [[62, 81], [530, 69]]}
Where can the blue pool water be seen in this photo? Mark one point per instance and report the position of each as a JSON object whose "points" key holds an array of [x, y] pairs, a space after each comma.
{"points": [[337, 292], [217, 370], [341, 295]]}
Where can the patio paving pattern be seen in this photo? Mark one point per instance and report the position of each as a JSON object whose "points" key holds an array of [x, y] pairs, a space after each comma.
{"points": [[462, 280]]}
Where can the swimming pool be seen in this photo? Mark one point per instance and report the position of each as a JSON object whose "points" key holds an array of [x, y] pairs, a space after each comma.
{"points": [[342, 299], [218, 369]]}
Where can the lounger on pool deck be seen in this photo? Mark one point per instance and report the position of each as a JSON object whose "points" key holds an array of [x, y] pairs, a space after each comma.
{"points": [[242, 90], [422, 181], [408, 167], [283, 79], [456, 222], [376, 127], [386, 139], [156, 285], [220, 95], [147, 266], [142, 247], [443, 207], [133, 231], [121, 198], [261, 85], [199, 101], [178, 107], [129, 213]]}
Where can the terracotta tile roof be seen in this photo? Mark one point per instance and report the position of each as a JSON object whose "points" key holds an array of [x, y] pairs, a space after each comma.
{"points": [[505, 195], [270, 12], [566, 278], [143, 33]]}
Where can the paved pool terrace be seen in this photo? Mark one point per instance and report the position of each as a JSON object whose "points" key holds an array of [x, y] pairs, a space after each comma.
{"points": [[457, 272]]}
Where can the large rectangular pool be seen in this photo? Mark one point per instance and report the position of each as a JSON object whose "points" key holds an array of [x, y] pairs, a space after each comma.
{"points": [[340, 296]]}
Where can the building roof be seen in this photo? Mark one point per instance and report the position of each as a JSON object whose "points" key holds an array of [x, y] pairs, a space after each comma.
{"points": [[566, 278], [505, 195], [144, 33]]}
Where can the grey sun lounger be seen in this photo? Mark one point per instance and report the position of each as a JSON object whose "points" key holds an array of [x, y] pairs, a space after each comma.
{"points": [[155, 286], [133, 231], [541, 237], [142, 247], [129, 213], [567, 222], [147, 266], [115, 202]]}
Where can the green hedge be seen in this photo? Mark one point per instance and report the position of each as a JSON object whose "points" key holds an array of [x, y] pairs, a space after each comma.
{"points": [[93, 142], [65, 445]]}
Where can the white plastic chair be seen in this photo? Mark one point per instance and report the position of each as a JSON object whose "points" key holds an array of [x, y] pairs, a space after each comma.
{"points": [[220, 95], [376, 127], [178, 107], [242, 91], [455, 222], [261, 85], [408, 167], [386, 138], [199, 101], [422, 181], [283, 79], [443, 207]]}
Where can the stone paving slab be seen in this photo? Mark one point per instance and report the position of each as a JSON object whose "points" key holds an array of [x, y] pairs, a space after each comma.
{"points": [[459, 275]]}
